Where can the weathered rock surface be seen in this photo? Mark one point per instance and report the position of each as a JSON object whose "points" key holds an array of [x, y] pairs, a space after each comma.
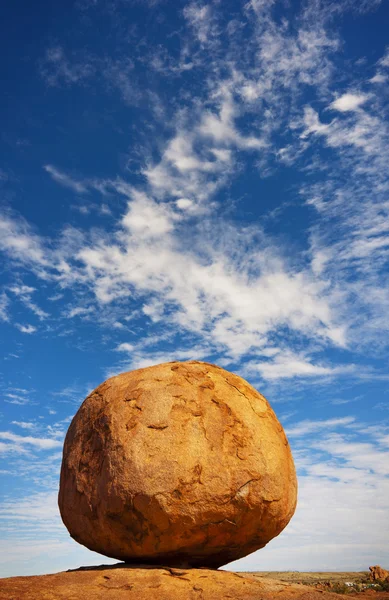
{"points": [[127, 583], [377, 573], [182, 464]]}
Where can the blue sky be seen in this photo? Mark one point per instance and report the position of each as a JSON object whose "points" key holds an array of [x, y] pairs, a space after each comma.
{"points": [[189, 180]]}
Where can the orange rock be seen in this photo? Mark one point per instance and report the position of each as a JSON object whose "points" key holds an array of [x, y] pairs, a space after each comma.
{"points": [[378, 573], [179, 464], [129, 583]]}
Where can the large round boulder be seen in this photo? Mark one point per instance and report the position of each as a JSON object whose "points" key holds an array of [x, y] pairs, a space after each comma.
{"points": [[181, 464]]}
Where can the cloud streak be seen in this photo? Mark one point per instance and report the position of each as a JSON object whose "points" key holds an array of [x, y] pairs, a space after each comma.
{"points": [[18, 442]]}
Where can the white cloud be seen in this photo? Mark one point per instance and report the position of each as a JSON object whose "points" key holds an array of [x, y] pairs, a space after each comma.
{"points": [[356, 454], [349, 102], [312, 123], [34, 540], [146, 218], [24, 293], [57, 68], [78, 311], [215, 292], [18, 398], [120, 75], [184, 203], [307, 426], [384, 61], [24, 424], [379, 78], [351, 244], [40, 506], [19, 241], [360, 132], [200, 18], [125, 347], [220, 125], [22, 290], [65, 180], [211, 278], [25, 328], [18, 442], [4, 303], [288, 364], [73, 393], [184, 173], [141, 357], [55, 297]]}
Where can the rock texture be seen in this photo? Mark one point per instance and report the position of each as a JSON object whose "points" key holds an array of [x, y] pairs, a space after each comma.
{"points": [[377, 573], [127, 583], [181, 463]]}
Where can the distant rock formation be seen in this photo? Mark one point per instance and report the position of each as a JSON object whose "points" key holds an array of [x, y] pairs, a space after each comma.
{"points": [[377, 573], [180, 464]]}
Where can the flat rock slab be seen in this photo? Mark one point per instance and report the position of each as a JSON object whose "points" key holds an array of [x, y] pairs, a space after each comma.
{"points": [[123, 582]]}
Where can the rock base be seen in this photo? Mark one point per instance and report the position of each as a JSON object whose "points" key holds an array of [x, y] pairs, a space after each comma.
{"points": [[124, 582]]}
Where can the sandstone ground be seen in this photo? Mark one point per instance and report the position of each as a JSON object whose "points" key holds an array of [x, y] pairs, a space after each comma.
{"points": [[125, 582]]}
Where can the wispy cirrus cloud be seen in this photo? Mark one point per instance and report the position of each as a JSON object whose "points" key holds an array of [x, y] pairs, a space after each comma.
{"points": [[24, 294], [216, 289], [350, 244], [35, 539], [234, 286], [66, 180], [18, 399], [18, 239], [287, 365], [197, 162], [4, 304], [25, 328], [349, 102], [16, 443], [307, 427], [24, 424], [57, 69]]}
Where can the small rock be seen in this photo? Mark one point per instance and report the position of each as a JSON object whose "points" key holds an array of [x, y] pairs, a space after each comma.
{"points": [[377, 573]]}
